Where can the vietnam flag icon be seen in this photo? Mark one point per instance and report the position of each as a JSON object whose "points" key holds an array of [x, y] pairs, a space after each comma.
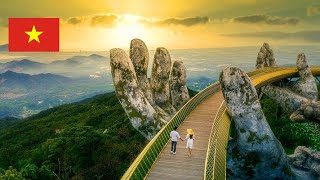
{"points": [[33, 34]]}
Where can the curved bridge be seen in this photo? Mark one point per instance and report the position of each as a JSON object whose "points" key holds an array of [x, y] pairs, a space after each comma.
{"points": [[206, 114]]}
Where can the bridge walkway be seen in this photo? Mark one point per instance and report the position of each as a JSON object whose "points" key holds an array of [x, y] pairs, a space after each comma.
{"points": [[180, 166]]}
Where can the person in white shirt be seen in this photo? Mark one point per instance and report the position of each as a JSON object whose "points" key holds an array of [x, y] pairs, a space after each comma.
{"points": [[174, 138], [190, 140]]}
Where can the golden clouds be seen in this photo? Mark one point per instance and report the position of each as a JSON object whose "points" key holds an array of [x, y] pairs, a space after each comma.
{"points": [[313, 10], [110, 20], [105, 20], [267, 19]]}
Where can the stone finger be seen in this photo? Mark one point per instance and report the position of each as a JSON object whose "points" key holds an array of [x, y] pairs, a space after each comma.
{"points": [[142, 115]]}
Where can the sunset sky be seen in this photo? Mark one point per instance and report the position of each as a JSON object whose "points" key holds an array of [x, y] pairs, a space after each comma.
{"points": [[175, 24]]}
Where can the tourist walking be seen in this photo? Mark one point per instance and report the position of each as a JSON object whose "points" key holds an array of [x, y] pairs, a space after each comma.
{"points": [[174, 138], [190, 141]]}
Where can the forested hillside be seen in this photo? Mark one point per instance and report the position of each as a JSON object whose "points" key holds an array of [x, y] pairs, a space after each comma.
{"points": [[92, 139]]}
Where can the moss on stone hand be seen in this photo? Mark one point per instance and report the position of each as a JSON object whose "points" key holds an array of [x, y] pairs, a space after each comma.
{"points": [[242, 130], [254, 137], [286, 170], [135, 114]]}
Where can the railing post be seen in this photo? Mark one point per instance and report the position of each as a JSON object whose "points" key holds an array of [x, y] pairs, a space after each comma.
{"points": [[220, 130]]}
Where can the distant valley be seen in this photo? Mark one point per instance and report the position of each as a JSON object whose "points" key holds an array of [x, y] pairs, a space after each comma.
{"points": [[45, 80], [4, 48], [28, 87], [77, 66], [23, 65], [11, 81], [23, 95]]}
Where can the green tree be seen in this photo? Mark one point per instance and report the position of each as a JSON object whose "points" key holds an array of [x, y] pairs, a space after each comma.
{"points": [[30, 171], [11, 174], [45, 172], [92, 139], [72, 150]]}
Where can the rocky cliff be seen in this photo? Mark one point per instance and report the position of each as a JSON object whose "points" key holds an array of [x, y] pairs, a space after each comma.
{"points": [[306, 85], [160, 80], [298, 97], [255, 153], [306, 163], [178, 87], [265, 57], [149, 102]]}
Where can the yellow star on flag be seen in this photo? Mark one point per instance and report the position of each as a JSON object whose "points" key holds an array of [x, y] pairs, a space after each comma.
{"points": [[34, 34]]}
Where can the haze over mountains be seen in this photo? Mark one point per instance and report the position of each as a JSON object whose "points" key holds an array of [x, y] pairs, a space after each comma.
{"points": [[4, 48], [23, 65], [11, 80], [23, 95], [27, 86], [85, 74], [77, 66]]}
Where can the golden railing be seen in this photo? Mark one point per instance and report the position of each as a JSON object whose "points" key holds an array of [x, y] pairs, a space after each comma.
{"points": [[215, 164], [143, 163]]}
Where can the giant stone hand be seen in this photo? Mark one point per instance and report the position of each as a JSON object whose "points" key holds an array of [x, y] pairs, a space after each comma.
{"points": [[147, 101], [265, 57], [256, 153], [298, 98]]}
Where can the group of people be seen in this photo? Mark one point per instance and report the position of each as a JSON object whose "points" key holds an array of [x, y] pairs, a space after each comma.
{"points": [[174, 140]]}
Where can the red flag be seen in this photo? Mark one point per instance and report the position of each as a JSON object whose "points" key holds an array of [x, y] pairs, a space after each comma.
{"points": [[33, 34]]}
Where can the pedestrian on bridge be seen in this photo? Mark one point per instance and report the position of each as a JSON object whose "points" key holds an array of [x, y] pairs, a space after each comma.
{"points": [[174, 138], [190, 140]]}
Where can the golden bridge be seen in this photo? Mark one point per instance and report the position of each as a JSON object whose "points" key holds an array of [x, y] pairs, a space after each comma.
{"points": [[206, 114]]}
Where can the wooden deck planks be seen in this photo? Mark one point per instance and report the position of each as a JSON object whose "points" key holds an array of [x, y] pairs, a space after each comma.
{"points": [[180, 166]]}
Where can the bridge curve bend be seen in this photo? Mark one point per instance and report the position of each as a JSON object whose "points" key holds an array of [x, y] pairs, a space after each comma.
{"points": [[206, 110]]}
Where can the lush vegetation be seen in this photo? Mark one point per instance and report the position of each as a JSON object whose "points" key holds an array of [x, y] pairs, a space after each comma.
{"points": [[7, 122], [92, 139], [290, 134]]}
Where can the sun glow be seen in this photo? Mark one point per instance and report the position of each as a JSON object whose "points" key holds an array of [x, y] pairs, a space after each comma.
{"points": [[129, 27]]}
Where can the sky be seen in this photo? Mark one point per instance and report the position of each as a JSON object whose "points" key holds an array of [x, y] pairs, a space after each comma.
{"points": [[174, 24]]}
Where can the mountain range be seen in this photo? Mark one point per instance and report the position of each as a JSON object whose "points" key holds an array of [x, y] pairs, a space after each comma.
{"points": [[21, 65], [22, 95], [79, 60], [12, 80], [4, 48], [76, 66], [28, 86]]}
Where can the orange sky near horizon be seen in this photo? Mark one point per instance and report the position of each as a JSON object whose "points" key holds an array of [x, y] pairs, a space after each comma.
{"points": [[105, 24]]}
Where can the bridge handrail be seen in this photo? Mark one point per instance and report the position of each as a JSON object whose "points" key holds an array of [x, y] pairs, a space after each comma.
{"points": [[219, 135], [145, 160], [218, 141]]}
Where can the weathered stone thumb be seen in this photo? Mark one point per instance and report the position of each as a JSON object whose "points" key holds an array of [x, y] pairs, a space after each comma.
{"points": [[142, 115], [301, 107], [139, 56], [178, 87], [265, 57], [307, 111], [260, 152], [306, 85], [160, 80], [287, 99]]}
